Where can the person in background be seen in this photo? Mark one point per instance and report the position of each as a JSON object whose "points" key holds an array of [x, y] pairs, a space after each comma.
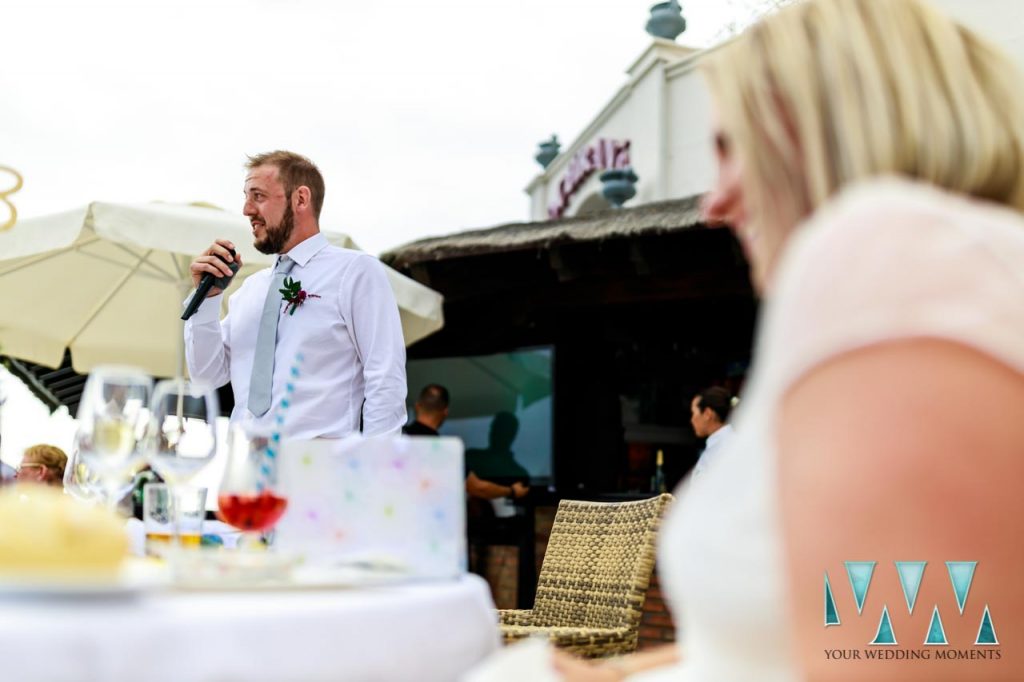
{"points": [[431, 410], [493, 472], [494, 481], [42, 464], [709, 414]]}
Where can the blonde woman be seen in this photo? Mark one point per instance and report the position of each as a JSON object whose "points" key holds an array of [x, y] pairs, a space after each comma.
{"points": [[871, 163], [42, 464]]}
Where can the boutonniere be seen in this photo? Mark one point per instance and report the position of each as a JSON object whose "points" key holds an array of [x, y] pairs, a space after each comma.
{"points": [[294, 295]]}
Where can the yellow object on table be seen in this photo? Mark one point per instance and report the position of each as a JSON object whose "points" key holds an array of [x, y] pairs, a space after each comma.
{"points": [[47, 534]]}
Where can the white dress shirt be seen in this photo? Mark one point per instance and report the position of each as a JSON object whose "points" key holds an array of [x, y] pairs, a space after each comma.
{"points": [[717, 441], [350, 340]]}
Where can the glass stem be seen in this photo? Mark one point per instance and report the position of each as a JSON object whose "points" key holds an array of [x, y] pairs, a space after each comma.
{"points": [[176, 516]]}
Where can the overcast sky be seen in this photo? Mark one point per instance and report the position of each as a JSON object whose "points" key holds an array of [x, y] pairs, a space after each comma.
{"points": [[423, 116]]}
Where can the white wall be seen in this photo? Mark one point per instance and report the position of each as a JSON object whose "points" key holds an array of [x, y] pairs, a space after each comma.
{"points": [[691, 158], [637, 121]]}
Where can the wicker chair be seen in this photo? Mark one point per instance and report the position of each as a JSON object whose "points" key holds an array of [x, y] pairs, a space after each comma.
{"points": [[592, 585]]}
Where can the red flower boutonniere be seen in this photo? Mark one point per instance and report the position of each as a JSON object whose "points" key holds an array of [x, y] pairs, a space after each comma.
{"points": [[294, 295]]}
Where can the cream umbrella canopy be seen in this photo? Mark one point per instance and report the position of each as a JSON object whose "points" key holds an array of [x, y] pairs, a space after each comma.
{"points": [[107, 282]]}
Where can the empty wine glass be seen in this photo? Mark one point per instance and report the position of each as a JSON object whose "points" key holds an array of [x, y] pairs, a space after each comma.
{"points": [[183, 430], [112, 418], [79, 480], [249, 498]]}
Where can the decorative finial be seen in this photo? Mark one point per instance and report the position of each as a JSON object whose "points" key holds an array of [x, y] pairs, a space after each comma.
{"points": [[666, 20], [618, 185], [548, 151]]}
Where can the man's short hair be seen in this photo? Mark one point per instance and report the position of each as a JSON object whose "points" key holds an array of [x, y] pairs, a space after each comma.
{"points": [[50, 456], [718, 400], [433, 398], [294, 171]]}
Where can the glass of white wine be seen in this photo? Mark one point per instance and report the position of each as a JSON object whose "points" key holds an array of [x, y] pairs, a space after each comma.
{"points": [[112, 421]]}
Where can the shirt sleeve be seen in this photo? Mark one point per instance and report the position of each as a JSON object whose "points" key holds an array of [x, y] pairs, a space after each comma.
{"points": [[208, 343], [376, 327]]}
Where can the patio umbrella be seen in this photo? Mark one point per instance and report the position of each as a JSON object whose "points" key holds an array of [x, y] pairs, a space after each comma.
{"points": [[107, 282]]}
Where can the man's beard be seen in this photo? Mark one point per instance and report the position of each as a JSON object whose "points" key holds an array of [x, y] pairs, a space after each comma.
{"points": [[276, 237]]}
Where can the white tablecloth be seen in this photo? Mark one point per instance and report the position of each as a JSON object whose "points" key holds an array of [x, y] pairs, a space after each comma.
{"points": [[426, 631]]}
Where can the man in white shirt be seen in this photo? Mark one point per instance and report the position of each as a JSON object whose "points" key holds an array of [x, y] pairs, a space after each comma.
{"points": [[326, 355], [709, 413]]}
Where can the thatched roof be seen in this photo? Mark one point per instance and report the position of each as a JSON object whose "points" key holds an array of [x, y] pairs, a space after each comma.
{"points": [[653, 218]]}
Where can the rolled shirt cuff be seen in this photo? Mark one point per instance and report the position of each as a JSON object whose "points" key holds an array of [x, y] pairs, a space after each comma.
{"points": [[209, 309]]}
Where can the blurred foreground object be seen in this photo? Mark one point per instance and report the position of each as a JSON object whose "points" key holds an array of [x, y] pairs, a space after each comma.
{"points": [[384, 505], [48, 534]]}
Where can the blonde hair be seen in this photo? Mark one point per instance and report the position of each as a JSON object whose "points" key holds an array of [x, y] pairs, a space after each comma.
{"points": [[828, 92], [50, 456]]}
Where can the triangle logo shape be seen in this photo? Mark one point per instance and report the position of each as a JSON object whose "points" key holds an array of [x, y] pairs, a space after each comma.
{"points": [[961, 573], [936, 633], [831, 613], [986, 631], [859, 573], [885, 636], [911, 573]]}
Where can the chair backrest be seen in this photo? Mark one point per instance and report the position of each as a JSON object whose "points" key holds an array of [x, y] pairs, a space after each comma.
{"points": [[598, 563]]}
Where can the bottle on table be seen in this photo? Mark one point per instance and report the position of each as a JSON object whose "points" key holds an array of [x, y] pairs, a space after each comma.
{"points": [[658, 479]]}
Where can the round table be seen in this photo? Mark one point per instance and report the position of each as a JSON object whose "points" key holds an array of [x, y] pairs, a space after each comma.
{"points": [[423, 631]]}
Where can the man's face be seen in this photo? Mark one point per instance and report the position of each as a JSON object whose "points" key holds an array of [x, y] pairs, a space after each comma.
{"points": [[699, 419], [268, 209]]}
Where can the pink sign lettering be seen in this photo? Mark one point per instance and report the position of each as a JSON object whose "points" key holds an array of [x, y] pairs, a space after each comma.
{"points": [[601, 155]]}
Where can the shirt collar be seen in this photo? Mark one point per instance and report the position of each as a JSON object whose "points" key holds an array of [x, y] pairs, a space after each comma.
{"points": [[304, 251], [718, 435]]}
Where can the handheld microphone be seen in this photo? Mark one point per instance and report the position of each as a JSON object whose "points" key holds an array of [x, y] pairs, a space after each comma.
{"points": [[207, 282]]}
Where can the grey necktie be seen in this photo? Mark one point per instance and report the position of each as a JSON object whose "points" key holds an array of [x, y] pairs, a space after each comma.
{"points": [[262, 379]]}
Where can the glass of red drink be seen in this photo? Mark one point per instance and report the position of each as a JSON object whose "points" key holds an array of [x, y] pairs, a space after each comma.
{"points": [[249, 498]]}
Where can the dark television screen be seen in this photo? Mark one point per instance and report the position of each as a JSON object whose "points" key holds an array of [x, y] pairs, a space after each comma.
{"points": [[500, 406]]}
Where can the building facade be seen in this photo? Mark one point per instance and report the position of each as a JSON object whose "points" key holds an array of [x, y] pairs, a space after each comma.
{"points": [[661, 118]]}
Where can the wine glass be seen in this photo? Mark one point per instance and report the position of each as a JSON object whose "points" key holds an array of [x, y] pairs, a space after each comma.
{"points": [[249, 498], [79, 480], [112, 420], [183, 431]]}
